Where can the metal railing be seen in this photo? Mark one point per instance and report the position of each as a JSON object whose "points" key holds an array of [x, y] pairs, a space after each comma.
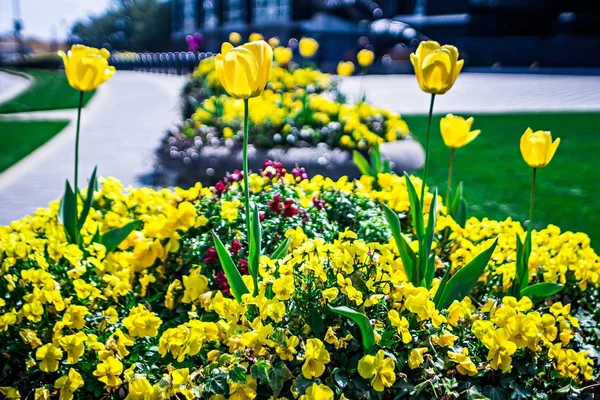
{"points": [[174, 63]]}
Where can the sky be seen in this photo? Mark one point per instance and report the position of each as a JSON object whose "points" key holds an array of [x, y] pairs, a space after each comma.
{"points": [[39, 16]]}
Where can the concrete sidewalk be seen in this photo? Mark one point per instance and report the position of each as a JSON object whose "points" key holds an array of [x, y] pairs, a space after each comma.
{"points": [[121, 128], [12, 85], [481, 93]]}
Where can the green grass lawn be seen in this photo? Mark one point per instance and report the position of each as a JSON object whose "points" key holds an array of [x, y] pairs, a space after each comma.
{"points": [[50, 91], [19, 138], [497, 180]]}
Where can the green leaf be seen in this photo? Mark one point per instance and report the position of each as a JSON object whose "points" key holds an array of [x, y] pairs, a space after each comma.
{"points": [[409, 258], [416, 212], [113, 238], [456, 196], [524, 277], [375, 160], [278, 375], [442, 286], [89, 199], [97, 238], [465, 279], [282, 250], [542, 290], [361, 163], [67, 214], [234, 278], [387, 166], [516, 286], [363, 323], [425, 258], [462, 213], [255, 243]]}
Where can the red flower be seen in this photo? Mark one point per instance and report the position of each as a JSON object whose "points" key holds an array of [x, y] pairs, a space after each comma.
{"points": [[235, 247], [275, 205], [289, 210], [211, 256]]}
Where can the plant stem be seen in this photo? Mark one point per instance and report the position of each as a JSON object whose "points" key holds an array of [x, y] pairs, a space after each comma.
{"points": [[450, 176], [424, 183], [531, 199], [245, 168], [76, 188]]}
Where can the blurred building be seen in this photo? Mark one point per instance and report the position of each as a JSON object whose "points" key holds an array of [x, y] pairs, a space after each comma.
{"points": [[488, 32]]}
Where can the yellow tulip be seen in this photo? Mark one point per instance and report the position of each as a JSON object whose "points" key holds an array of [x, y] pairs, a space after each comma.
{"points": [[345, 68], [244, 70], [308, 47], [235, 37], [274, 42], [456, 131], [283, 55], [255, 37], [537, 148], [86, 67], [436, 67], [365, 58]]}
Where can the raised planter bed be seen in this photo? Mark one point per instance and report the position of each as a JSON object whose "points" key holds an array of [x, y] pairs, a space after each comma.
{"points": [[207, 164]]}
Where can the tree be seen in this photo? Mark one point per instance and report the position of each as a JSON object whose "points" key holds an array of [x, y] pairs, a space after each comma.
{"points": [[140, 25]]}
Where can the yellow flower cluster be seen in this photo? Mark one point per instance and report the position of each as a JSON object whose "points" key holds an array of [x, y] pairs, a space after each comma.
{"points": [[65, 306], [358, 126]]}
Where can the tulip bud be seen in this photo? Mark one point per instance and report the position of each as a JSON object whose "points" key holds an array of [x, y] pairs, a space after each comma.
{"points": [[537, 148], [86, 67], [436, 67], [308, 47], [456, 131], [283, 55], [244, 70], [365, 58], [345, 68]]}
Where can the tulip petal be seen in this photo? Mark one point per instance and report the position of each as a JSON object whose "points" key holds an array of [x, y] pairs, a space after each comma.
{"points": [[552, 150]]}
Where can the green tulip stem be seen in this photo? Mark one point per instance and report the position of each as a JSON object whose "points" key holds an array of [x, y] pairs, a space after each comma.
{"points": [[245, 167], [75, 187], [424, 183], [531, 199], [452, 150]]}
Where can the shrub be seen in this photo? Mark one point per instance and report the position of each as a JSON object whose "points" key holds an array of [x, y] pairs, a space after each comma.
{"points": [[154, 318]]}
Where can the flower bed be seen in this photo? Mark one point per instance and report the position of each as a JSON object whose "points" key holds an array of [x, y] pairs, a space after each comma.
{"points": [[301, 119], [155, 319]]}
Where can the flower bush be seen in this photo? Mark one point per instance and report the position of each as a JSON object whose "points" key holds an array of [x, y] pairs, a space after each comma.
{"points": [[155, 319]]}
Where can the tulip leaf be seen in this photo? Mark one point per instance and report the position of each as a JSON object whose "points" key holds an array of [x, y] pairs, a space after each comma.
{"points": [[67, 214], [113, 238], [524, 278], [361, 163], [424, 256], [442, 286], [89, 199], [363, 323], [516, 286], [416, 212], [375, 160], [542, 290], [255, 243], [282, 250], [234, 278], [465, 279], [387, 166], [462, 214], [409, 259]]}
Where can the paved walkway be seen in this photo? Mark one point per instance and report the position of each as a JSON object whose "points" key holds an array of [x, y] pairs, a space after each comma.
{"points": [[121, 128], [11, 85], [482, 93]]}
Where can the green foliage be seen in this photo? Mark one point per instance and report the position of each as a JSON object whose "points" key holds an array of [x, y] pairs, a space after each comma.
{"points": [[521, 287], [113, 238], [234, 278], [363, 323], [377, 166], [458, 207]]}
